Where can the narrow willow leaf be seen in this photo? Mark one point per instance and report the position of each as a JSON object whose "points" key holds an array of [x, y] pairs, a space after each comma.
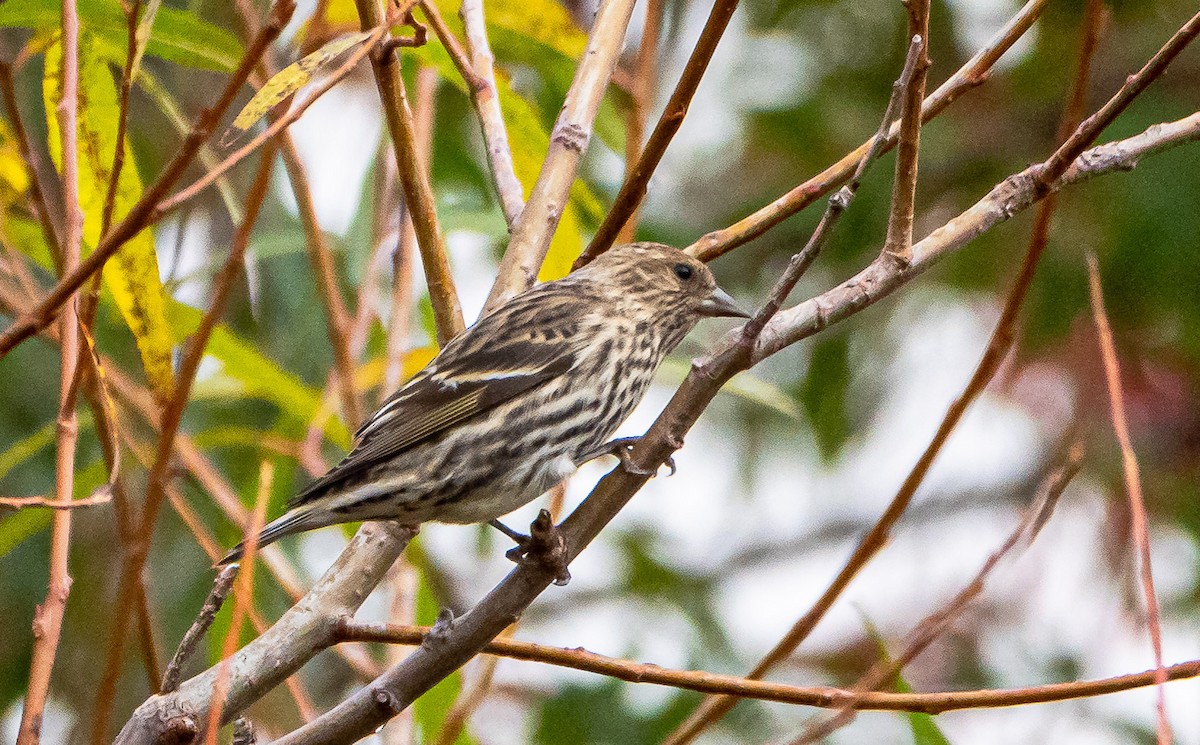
{"points": [[289, 80], [180, 36], [141, 36], [744, 386], [132, 274]]}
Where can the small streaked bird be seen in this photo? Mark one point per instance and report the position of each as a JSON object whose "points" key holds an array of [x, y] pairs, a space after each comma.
{"points": [[516, 403]]}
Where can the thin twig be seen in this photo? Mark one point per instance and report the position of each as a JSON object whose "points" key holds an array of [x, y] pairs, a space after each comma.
{"points": [[243, 600], [898, 244], [118, 161], [532, 232], [936, 623], [1133, 487], [971, 74], [634, 189], [1087, 132], [48, 617], [143, 212], [818, 696], [222, 584], [37, 194], [20, 503], [418, 192], [491, 119]]}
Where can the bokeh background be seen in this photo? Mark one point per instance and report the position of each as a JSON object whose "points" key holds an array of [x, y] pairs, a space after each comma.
{"points": [[708, 568]]}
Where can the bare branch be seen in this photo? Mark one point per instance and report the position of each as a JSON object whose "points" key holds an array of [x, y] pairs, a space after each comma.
{"points": [[20, 503], [306, 628], [172, 416], [1133, 486], [398, 687], [418, 193], [222, 584], [532, 232], [713, 709], [904, 185], [936, 623]]}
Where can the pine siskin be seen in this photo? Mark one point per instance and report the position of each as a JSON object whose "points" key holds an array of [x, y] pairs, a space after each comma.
{"points": [[516, 403]]}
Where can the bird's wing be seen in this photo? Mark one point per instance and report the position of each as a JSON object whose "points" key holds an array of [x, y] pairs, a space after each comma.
{"points": [[480, 370]]}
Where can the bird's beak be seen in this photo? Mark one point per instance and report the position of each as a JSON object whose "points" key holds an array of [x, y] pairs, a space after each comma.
{"points": [[719, 303]]}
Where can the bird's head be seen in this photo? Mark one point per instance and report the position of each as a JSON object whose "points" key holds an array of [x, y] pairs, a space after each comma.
{"points": [[662, 282]]}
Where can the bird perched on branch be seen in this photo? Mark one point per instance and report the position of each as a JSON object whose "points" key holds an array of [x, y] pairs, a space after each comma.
{"points": [[516, 403]]}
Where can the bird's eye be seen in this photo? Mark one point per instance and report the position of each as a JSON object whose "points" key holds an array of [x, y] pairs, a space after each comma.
{"points": [[683, 271]]}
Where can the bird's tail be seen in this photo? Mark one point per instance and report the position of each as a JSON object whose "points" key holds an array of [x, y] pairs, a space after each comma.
{"points": [[290, 523]]}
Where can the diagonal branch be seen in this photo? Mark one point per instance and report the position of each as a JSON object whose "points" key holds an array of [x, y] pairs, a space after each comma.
{"points": [[464, 637], [532, 232], [1133, 487], [936, 623], [713, 709]]}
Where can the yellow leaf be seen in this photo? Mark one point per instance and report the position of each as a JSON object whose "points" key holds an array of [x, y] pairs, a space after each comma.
{"points": [[132, 274], [291, 79], [545, 22], [12, 167]]}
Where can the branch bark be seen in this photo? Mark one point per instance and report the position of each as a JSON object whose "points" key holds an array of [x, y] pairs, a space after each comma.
{"points": [[464, 637], [973, 73]]}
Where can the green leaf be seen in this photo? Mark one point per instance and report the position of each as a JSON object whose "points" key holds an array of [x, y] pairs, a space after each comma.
{"points": [[23, 525], [179, 36], [824, 392], [132, 274], [924, 730], [259, 376]]}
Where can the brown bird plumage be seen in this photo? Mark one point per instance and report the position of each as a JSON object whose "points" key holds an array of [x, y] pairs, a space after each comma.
{"points": [[517, 402]]}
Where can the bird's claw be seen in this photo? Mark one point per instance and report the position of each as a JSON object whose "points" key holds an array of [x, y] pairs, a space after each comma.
{"points": [[622, 448], [545, 545]]}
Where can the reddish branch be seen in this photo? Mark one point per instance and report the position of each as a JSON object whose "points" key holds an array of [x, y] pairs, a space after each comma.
{"points": [[1133, 487], [172, 415], [48, 617]]}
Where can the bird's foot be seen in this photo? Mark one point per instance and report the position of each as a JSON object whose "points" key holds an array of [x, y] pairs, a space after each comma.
{"points": [[545, 545], [621, 448]]}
